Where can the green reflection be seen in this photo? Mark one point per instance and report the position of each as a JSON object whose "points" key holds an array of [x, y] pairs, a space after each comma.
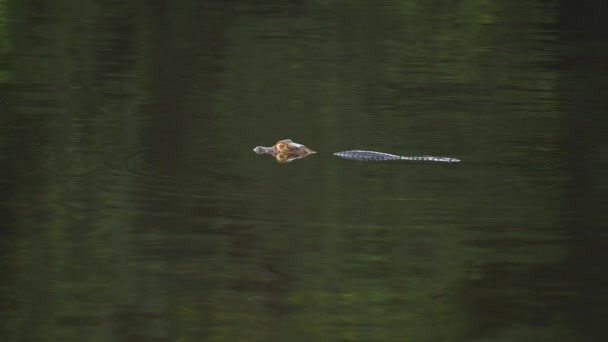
{"points": [[4, 41], [138, 212]]}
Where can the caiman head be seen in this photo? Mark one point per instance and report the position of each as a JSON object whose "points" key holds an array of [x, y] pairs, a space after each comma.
{"points": [[285, 151]]}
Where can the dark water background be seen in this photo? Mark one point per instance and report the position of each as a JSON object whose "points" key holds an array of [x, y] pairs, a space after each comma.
{"points": [[132, 207]]}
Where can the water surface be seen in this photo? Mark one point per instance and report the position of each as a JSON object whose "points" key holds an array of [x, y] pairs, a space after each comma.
{"points": [[133, 209]]}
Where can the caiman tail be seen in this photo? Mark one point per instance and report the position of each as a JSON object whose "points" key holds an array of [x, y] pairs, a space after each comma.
{"points": [[380, 156]]}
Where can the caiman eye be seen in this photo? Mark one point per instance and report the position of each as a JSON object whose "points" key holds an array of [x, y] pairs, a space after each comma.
{"points": [[282, 146], [281, 157]]}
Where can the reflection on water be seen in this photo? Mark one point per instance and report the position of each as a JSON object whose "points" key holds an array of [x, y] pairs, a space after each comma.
{"points": [[132, 208]]}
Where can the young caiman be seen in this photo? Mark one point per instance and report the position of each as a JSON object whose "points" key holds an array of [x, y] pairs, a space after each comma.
{"points": [[286, 151]]}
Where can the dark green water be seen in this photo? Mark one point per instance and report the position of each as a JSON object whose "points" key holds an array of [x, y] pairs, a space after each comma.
{"points": [[132, 207]]}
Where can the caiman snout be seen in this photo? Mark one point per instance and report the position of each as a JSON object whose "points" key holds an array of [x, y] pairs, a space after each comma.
{"points": [[262, 150]]}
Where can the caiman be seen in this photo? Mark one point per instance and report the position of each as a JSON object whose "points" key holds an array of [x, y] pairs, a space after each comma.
{"points": [[285, 151]]}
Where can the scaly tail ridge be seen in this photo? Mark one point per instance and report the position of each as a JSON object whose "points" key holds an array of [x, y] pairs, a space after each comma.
{"points": [[381, 156]]}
